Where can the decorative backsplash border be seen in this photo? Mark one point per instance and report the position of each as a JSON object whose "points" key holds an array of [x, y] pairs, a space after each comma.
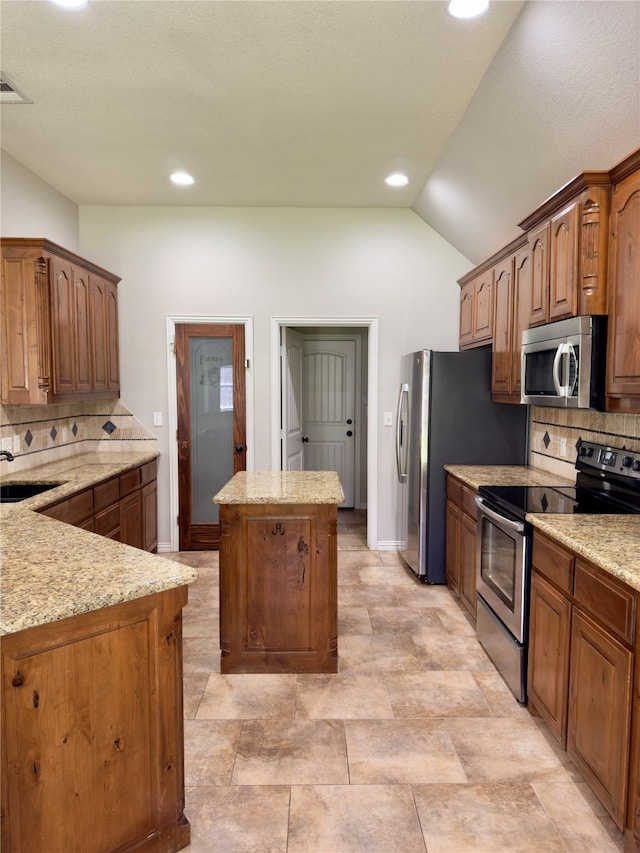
{"points": [[40, 434], [554, 433]]}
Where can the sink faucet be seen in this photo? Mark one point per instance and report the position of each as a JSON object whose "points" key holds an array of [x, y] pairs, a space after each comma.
{"points": [[8, 456]]}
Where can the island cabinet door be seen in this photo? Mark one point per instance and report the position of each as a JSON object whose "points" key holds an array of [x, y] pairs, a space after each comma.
{"points": [[278, 589], [92, 738]]}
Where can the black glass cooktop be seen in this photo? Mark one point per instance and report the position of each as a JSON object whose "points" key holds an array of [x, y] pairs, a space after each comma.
{"points": [[522, 499]]}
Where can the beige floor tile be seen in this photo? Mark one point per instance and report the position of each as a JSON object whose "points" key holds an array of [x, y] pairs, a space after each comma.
{"points": [[238, 820], [574, 819], [357, 559], [367, 596], [382, 575], [378, 653], [498, 696], [386, 618], [210, 749], [245, 697], [504, 750], [192, 689], [291, 752], [439, 650], [200, 655], [354, 819], [349, 695], [401, 752], [485, 819], [436, 694], [353, 620]]}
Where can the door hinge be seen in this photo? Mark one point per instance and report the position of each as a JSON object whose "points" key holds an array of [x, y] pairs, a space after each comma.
{"points": [[176, 434], [173, 347]]}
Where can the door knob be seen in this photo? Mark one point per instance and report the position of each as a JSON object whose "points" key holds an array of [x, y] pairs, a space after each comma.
{"points": [[349, 421], [239, 448], [305, 439], [349, 432]]}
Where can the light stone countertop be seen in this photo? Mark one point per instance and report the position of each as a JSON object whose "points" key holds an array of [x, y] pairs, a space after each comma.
{"points": [[52, 570], [282, 487], [505, 475]]}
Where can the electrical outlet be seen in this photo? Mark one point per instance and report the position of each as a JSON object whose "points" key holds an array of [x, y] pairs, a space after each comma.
{"points": [[16, 444], [563, 446], [157, 418], [6, 444], [388, 418]]}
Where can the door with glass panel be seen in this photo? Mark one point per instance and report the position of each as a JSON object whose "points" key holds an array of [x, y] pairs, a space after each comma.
{"points": [[210, 381]]}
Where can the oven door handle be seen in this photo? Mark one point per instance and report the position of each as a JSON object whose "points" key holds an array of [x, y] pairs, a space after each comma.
{"points": [[500, 520]]}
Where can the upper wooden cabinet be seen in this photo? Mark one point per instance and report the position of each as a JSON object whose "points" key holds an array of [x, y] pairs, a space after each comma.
{"points": [[623, 353], [59, 324], [568, 242], [476, 308]]}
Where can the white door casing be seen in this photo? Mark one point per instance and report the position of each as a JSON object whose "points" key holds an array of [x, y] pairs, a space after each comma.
{"points": [[291, 362]]}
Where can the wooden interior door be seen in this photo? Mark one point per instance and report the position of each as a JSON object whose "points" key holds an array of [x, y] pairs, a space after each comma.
{"points": [[210, 381]]}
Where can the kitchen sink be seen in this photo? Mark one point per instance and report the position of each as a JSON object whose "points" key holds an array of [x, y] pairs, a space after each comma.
{"points": [[14, 492]]}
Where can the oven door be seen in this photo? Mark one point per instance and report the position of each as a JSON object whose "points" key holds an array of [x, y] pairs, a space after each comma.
{"points": [[501, 567]]}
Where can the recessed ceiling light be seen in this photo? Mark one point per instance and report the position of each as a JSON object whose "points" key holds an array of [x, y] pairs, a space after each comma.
{"points": [[71, 4], [467, 8], [397, 180], [183, 179]]}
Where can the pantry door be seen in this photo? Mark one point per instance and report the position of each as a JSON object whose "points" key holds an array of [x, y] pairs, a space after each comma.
{"points": [[210, 385]]}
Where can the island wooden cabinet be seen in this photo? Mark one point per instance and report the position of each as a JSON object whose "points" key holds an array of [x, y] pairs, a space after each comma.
{"points": [[461, 530], [59, 323], [623, 352], [568, 246], [582, 649], [278, 588], [92, 731], [476, 308], [123, 508]]}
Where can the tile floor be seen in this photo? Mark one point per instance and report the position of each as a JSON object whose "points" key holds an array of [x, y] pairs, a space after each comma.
{"points": [[414, 745]]}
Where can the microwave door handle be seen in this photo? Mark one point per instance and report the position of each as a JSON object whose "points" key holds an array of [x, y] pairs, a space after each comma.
{"points": [[560, 388], [401, 450], [500, 520], [571, 357]]}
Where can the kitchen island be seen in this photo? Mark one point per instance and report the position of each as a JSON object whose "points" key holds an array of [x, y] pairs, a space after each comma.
{"points": [[278, 571], [92, 731]]}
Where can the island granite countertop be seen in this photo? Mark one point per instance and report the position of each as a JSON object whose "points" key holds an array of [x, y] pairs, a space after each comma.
{"points": [[52, 570], [281, 487]]}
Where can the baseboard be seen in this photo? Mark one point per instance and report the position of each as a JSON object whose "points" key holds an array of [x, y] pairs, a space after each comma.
{"points": [[392, 545]]}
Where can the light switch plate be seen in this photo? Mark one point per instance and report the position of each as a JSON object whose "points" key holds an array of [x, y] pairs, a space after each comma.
{"points": [[16, 444], [388, 418], [157, 418]]}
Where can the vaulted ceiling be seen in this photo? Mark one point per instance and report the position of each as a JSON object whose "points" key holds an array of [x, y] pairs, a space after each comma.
{"points": [[314, 102]]}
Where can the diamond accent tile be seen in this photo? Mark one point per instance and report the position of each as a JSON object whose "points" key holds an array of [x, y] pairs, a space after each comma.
{"points": [[109, 427], [546, 440], [53, 433], [74, 430], [28, 438], [544, 502]]}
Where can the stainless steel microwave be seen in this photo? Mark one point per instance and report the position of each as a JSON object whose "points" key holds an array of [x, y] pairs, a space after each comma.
{"points": [[563, 363]]}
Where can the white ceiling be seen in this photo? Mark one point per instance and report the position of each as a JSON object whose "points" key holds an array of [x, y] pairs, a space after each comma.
{"points": [[274, 102]]}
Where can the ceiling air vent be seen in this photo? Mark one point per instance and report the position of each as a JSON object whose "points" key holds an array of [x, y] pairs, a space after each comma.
{"points": [[9, 94]]}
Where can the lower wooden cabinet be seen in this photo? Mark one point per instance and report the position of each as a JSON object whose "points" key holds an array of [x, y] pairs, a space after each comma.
{"points": [[278, 588], [123, 508], [461, 537], [583, 647], [92, 750]]}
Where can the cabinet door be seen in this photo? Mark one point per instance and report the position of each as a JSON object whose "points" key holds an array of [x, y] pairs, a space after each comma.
{"points": [[521, 302], [452, 557], [98, 325], [63, 328], [468, 528], [83, 354], [538, 311], [483, 325], [563, 259], [623, 353], [502, 329], [600, 693], [131, 520], [548, 673], [466, 313], [113, 354], [149, 501]]}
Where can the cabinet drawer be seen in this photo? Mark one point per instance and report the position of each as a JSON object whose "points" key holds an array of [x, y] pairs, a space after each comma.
{"points": [[108, 521], [129, 482], [105, 494], [74, 510], [553, 562], [611, 603], [148, 472], [469, 502], [454, 490]]}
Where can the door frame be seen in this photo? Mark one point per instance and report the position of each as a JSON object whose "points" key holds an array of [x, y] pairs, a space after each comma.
{"points": [[371, 324], [172, 321]]}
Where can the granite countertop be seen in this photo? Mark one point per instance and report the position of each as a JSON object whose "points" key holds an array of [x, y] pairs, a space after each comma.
{"points": [[505, 475], [282, 487], [52, 570]]}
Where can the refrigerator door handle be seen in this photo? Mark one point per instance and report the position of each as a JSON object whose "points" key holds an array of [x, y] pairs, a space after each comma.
{"points": [[401, 449]]}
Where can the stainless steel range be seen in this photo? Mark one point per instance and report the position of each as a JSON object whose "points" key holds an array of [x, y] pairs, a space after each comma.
{"points": [[608, 482]]}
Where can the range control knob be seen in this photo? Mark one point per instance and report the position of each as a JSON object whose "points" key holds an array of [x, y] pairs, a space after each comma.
{"points": [[636, 465], [626, 462]]}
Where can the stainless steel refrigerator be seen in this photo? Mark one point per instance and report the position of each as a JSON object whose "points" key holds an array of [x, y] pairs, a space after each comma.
{"points": [[446, 415]]}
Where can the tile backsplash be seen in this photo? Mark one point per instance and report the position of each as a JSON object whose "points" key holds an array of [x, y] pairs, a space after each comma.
{"points": [[40, 434], [554, 433]]}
